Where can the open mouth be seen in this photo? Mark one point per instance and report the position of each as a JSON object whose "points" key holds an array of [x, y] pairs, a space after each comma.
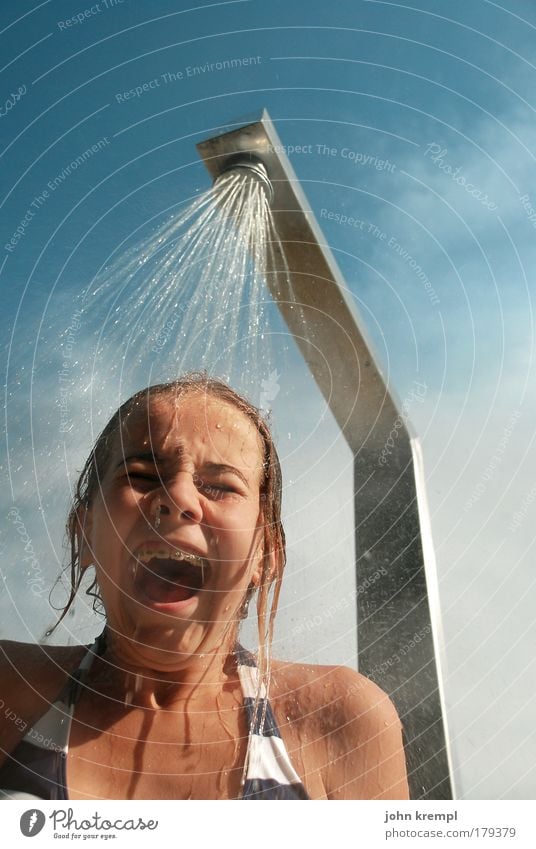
{"points": [[168, 575]]}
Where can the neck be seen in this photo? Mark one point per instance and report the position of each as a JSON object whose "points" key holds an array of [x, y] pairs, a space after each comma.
{"points": [[145, 680]]}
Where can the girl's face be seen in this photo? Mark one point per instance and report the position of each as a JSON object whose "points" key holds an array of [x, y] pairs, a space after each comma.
{"points": [[176, 531]]}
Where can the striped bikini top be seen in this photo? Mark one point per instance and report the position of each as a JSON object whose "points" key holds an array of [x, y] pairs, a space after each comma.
{"points": [[36, 769]]}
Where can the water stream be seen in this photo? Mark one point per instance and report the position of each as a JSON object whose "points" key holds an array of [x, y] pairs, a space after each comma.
{"points": [[193, 294]]}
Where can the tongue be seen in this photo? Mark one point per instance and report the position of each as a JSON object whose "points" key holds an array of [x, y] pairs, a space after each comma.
{"points": [[160, 589], [168, 585]]}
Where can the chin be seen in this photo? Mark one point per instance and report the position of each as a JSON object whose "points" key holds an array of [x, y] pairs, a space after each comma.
{"points": [[165, 647]]}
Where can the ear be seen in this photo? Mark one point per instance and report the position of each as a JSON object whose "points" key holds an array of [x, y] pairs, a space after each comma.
{"points": [[84, 522], [256, 561], [264, 566]]}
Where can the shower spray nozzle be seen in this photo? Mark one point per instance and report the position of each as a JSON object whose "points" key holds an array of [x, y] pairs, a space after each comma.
{"points": [[254, 166]]}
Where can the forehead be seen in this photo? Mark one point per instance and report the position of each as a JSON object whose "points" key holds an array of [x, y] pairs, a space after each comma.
{"points": [[189, 423]]}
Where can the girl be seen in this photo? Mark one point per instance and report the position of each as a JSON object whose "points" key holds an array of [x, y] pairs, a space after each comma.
{"points": [[178, 510]]}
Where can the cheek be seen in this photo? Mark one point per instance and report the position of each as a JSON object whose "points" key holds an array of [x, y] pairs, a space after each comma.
{"points": [[117, 508], [237, 523], [233, 541]]}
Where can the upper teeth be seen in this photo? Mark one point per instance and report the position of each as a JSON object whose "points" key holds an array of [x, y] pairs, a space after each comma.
{"points": [[169, 554]]}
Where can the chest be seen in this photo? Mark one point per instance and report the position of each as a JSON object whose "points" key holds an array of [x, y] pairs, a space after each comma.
{"points": [[138, 753]]}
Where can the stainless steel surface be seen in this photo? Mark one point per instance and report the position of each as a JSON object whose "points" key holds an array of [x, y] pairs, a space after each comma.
{"points": [[399, 643]]}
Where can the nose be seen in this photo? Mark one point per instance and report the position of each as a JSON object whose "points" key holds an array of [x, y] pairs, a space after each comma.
{"points": [[177, 500]]}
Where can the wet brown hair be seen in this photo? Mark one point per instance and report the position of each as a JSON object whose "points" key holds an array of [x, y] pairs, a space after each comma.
{"points": [[270, 490]]}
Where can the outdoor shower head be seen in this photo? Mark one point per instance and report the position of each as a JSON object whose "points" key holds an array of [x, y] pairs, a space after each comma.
{"points": [[255, 145], [253, 166]]}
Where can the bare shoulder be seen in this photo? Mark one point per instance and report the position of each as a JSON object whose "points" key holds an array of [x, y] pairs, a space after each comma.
{"points": [[355, 726], [337, 690], [31, 676]]}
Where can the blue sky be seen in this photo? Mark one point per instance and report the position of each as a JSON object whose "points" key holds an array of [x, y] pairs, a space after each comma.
{"points": [[418, 122]]}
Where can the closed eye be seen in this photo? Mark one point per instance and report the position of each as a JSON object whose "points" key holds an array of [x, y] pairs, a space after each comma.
{"points": [[217, 490], [142, 476]]}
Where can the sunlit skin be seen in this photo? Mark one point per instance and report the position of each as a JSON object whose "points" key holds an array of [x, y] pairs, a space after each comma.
{"points": [[198, 464]]}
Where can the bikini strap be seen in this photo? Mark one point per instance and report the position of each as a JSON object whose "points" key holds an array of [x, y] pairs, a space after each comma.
{"points": [[79, 676]]}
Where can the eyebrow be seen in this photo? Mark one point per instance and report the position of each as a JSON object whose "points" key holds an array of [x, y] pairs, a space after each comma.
{"points": [[149, 456], [224, 467]]}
